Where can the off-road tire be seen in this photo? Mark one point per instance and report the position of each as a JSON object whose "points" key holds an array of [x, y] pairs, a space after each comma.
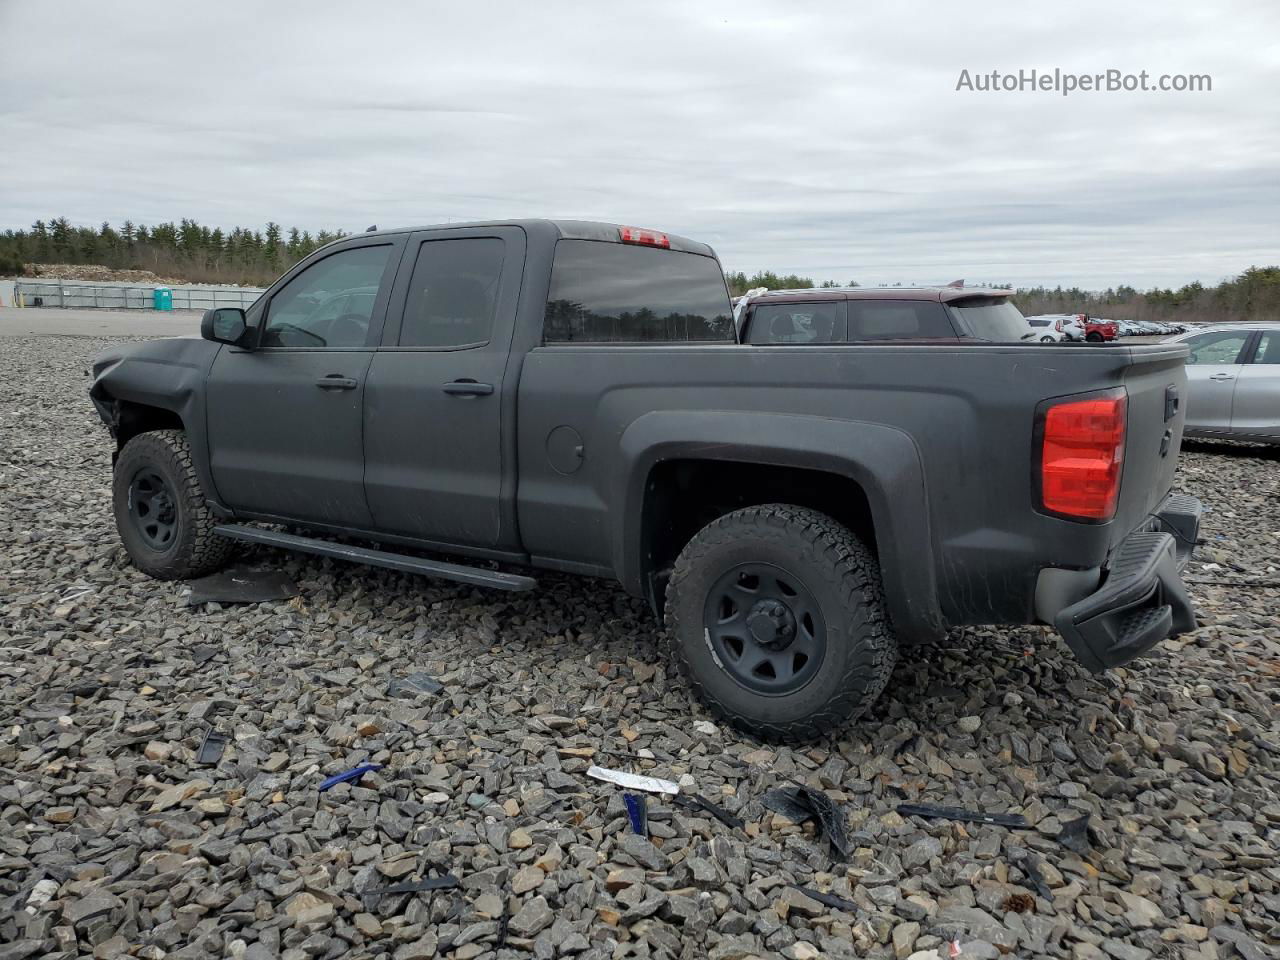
{"points": [[195, 549], [842, 576]]}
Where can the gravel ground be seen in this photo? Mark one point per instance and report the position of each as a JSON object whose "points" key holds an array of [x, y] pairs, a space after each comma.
{"points": [[114, 840]]}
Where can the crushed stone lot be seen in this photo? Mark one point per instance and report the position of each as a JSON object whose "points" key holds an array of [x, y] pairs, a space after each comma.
{"points": [[116, 841]]}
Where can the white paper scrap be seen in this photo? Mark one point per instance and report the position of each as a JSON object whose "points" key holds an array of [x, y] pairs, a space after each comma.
{"points": [[633, 781]]}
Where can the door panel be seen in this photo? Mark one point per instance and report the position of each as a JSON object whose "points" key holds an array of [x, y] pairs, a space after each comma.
{"points": [[434, 406], [280, 444], [285, 420], [1212, 371], [1255, 411]]}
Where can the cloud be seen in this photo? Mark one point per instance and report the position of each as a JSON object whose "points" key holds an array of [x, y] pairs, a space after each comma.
{"points": [[825, 139]]}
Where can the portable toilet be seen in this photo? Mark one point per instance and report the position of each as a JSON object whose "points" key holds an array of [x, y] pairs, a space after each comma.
{"points": [[162, 298]]}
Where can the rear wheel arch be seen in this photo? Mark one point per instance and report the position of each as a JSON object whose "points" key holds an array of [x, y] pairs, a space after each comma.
{"points": [[880, 462]]}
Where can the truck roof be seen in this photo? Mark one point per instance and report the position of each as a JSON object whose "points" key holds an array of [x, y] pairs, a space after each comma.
{"points": [[564, 229], [939, 294]]}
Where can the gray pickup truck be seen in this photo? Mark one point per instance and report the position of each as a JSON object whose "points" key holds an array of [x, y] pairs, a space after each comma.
{"points": [[577, 396]]}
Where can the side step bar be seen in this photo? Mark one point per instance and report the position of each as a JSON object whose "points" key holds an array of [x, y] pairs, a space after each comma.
{"points": [[378, 558]]}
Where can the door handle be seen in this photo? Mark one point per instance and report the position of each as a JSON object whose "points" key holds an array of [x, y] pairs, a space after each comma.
{"points": [[336, 381], [1223, 376], [467, 388]]}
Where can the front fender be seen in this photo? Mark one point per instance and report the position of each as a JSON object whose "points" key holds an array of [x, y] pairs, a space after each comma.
{"points": [[166, 374], [883, 460]]}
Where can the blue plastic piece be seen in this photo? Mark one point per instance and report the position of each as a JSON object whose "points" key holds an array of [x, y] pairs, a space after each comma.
{"points": [[638, 812], [349, 776]]}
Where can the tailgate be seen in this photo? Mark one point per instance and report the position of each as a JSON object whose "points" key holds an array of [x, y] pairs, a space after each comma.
{"points": [[1156, 384]]}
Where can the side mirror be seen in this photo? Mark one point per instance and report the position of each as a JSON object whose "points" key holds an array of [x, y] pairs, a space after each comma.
{"points": [[223, 325]]}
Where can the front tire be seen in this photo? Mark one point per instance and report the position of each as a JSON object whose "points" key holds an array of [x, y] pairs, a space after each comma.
{"points": [[160, 510], [1094, 337], [776, 619]]}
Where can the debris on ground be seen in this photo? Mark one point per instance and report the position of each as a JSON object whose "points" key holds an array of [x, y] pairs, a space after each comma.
{"points": [[412, 684], [211, 747], [798, 803], [446, 881], [1074, 834], [1015, 821], [242, 585], [828, 899], [698, 803], [1176, 756], [633, 781], [637, 813], [348, 776]]}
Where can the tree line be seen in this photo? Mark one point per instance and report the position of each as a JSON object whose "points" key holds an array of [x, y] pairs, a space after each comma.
{"points": [[186, 250], [191, 251]]}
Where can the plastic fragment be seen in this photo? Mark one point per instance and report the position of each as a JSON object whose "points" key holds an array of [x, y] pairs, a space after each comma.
{"points": [[828, 899], [445, 881], [1013, 820], [1030, 865], [203, 653], [413, 684], [1074, 834], [637, 812], [799, 803], [633, 781], [211, 747], [695, 801], [349, 776], [242, 585]]}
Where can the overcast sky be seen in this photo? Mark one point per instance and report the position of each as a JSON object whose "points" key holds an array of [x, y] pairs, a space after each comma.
{"points": [[826, 139]]}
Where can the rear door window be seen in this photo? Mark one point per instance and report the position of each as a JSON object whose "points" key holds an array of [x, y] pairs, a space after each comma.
{"points": [[818, 322], [1268, 350], [452, 293], [622, 293], [898, 320]]}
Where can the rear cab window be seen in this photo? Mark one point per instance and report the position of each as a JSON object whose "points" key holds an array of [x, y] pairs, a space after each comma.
{"points": [[992, 318], [814, 322], [604, 292], [871, 320]]}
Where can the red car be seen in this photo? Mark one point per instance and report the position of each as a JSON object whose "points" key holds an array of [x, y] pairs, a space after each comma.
{"points": [[1098, 330]]}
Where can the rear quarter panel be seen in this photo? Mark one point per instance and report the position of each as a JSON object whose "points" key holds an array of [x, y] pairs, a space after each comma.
{"points": [[968, 411]]}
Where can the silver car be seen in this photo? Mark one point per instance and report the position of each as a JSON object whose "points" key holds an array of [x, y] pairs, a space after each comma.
{"points": [[1233, 376]]}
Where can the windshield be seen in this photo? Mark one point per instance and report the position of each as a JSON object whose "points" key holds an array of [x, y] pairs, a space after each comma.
{"points": [[992, 318]]}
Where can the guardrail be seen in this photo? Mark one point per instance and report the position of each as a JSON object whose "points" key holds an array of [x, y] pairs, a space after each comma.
{"points": [[123, 296]]}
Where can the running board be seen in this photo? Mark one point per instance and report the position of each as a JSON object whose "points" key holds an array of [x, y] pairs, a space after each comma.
{"points": [[378, 558]]}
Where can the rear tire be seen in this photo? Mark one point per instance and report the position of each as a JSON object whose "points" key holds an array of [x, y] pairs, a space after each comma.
{"points": [[1094, 337], [1047, 339], [164, 522], [776, 619]]}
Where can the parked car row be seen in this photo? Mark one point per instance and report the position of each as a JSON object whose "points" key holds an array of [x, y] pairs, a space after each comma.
{"points": [[1074, 327], [1149, 328]]}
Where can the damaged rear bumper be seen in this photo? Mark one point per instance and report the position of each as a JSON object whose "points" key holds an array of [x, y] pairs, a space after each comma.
{"points": [[1142, 599]]}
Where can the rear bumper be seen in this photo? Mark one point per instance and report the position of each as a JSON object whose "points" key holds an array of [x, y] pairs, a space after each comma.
{"points": [[1142, 599]]}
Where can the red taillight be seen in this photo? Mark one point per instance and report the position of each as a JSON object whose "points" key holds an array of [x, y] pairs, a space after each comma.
{"points": [[650, 238], [1081, 453]]}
